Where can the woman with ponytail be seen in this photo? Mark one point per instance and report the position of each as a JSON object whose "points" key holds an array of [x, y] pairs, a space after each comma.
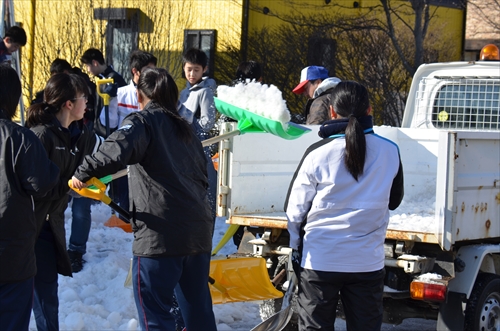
{"points": [[338, 210], [57, 122], [170, 213]]}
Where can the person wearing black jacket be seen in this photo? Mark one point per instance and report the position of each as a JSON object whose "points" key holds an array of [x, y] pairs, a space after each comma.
{"points": [[57, 123], [171, 217], [80, 208], [26, 172], [93, 59]]}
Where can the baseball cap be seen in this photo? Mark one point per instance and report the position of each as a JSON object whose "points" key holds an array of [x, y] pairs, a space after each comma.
{"points": [[310, 73]]}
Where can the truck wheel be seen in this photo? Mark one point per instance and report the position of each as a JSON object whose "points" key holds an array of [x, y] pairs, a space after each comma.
{"points": [[270, 307], [483, 308]]}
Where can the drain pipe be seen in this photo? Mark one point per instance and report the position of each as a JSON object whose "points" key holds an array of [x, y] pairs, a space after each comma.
{"points": [[244, 30]]}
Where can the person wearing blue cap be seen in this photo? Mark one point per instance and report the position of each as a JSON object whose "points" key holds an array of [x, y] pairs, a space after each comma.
{"points": [[316, 85]]}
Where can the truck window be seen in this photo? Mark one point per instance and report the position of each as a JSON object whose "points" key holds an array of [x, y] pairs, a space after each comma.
{"points": [[467, 104]]}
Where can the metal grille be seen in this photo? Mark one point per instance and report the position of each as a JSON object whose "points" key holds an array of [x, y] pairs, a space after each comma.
{"points": [[460, 103]]}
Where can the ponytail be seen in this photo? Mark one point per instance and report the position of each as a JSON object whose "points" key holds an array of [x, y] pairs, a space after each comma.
{"points": [[40, 113], [350, 100], [59, 89], [159, 86]]}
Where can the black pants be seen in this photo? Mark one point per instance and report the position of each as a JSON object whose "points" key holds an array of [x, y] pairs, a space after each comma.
{"points": [[361, 295]]}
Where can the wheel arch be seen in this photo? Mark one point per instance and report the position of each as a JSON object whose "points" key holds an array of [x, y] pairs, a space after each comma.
{"points": [[484, 258]]}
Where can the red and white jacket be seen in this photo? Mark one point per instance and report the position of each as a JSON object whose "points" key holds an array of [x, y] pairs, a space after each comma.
{"points": [[119, 107]]}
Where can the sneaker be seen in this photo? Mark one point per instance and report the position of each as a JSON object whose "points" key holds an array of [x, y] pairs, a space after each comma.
{"points": [[76, 261]]}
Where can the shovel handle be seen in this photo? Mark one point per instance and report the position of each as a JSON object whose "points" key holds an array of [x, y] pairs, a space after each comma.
{"points": [[109, 178], [105, 97], [216, 139], [218, 286]]}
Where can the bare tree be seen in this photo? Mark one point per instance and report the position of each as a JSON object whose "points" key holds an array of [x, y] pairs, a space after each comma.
{"points": [[161, 35], [483, 19], [380, 46], [396, 18]]}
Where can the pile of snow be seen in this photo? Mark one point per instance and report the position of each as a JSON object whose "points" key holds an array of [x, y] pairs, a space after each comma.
{"points": [[96, 298], [261, 99]]}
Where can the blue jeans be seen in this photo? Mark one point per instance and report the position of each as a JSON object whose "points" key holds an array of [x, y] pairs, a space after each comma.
{"points": [[16, 300], [156, 278], [80, 225]]}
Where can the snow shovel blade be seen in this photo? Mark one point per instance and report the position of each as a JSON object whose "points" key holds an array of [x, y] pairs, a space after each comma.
{"points": [[116, 222], [251, 122], [241, 279], [96, 190], [278, 321]]}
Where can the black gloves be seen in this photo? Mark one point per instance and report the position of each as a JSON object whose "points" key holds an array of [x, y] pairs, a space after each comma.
{"points": [[110, 89], [296, 261]]}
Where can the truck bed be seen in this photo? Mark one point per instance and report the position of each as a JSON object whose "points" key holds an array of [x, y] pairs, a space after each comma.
{"points": [[260, 166]]}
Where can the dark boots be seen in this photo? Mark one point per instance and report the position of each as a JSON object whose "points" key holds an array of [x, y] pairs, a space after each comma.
{"points": [[77, 261]]}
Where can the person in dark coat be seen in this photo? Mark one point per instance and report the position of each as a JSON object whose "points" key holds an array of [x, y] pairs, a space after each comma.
{"points": [[80, 208], [26, 172], [57, 123], [316, 85], [171, 217]]}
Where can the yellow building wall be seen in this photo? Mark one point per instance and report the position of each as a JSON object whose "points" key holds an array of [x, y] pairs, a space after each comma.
{"points": [[66, 28], [446, 22]]}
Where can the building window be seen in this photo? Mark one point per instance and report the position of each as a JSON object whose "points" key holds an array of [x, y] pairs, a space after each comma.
{"points": [[321, 52], [122, 33], [204, 40]]}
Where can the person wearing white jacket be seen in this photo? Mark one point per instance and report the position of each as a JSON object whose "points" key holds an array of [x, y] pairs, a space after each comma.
{"points": [[338, 211]]}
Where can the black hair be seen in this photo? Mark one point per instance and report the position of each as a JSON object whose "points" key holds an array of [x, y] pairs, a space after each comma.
{"points": [[17, 35], [139, 59], [159, 86], [350, 100], [59, 89], [10, 90], [195, 56], [92, 54], [59, 66], [248, 70]]}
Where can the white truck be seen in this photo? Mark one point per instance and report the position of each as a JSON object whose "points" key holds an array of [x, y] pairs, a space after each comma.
{"points": [[443, 243]]}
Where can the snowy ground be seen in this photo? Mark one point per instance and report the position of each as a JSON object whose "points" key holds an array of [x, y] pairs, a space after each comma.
{"points": [[96, 299]]}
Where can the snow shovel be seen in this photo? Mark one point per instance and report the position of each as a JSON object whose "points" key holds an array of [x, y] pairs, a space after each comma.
{"points": [[251, 122], [278, 321], [241, 279], [232, 280], [114, 221], [97, 191]]}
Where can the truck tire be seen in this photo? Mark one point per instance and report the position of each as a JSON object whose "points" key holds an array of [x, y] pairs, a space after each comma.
{"points": [[270, 307], [483, 308]]}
